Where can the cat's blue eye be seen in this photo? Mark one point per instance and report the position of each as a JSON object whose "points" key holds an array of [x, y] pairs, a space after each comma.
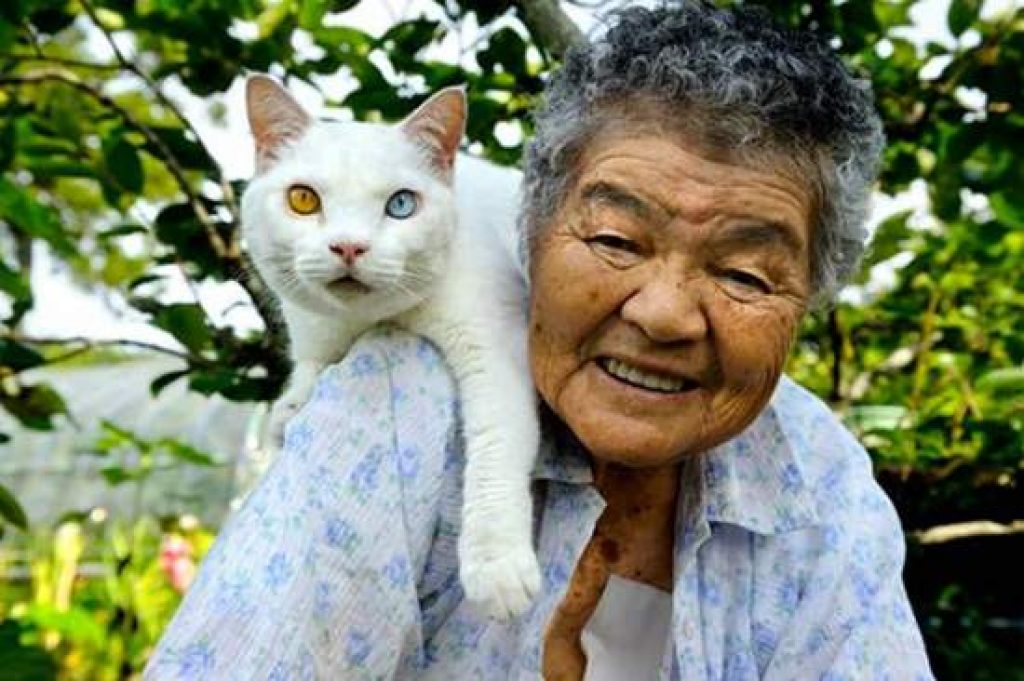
{"points": [[401, 205]]}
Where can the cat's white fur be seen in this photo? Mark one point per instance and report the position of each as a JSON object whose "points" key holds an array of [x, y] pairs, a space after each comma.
{"points": [[449, 273]]}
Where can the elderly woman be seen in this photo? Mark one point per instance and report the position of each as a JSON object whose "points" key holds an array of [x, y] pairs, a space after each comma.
{"points": [[698, 179]]}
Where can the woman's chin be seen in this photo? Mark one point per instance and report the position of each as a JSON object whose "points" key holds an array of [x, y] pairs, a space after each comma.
{"points": [[629, 442]]}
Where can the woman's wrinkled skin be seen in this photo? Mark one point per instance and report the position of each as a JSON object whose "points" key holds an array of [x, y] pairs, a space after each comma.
{"points": [[688, 268]]}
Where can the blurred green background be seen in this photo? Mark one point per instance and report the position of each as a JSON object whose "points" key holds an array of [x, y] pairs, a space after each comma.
{"points": [[138, 350]]}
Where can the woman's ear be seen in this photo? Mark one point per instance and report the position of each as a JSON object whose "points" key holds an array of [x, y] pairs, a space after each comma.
{"points": [[438, 124], [275, 118]]}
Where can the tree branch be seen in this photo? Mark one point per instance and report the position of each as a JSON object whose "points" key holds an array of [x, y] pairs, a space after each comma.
{"points": [[173, 166], [129, 65], [835, 333], [550, 26], [91, 343], [62, 61]]}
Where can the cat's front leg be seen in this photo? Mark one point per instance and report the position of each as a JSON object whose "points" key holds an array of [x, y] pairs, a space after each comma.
{"points": [[497, 562], [299, 390]]}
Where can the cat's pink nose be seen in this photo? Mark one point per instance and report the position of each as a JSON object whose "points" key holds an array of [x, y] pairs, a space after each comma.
{"points": [[348, 251]]}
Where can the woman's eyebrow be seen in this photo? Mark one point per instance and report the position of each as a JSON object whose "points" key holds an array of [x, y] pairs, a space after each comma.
{"points": [[605, 192], [756, 234]]}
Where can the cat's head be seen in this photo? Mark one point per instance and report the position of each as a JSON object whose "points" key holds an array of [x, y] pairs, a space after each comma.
{"points": [[351, 217]]}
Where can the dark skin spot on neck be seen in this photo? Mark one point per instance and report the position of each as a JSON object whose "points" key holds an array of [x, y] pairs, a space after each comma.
{"points": [[610, 550]]}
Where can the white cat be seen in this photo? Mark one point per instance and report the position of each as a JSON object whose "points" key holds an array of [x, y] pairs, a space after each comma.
{"points": [[351, 224]]}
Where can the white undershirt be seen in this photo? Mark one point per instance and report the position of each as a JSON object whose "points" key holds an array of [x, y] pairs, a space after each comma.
{"points": [[625, 637]]}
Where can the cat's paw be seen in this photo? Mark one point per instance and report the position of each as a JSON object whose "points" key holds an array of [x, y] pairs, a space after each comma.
{"points": [[502, 586]]}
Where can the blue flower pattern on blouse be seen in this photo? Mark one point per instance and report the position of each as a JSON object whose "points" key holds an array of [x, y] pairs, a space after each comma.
{"points": [[342, 563]]}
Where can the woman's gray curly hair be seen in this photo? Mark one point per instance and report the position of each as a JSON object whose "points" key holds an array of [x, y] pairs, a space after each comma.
{"points": [[745, 86]]}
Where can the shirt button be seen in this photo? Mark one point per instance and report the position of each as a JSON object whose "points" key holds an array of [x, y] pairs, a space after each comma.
{"points": [[688, 630]]}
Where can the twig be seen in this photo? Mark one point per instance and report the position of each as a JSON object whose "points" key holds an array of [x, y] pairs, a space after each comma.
{"points": [[33, 37], [62, 61], [927, 341], [91, 343], [220, 249], [835, 333], [129, 65]]}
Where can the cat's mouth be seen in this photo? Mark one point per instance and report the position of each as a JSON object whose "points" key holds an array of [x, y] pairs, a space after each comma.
{"points": [[347, 285]]}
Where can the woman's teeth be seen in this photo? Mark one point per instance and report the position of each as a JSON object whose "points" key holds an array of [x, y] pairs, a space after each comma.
{"points": [[644, 379]]}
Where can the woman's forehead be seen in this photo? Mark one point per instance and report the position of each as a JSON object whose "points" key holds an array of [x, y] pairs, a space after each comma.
{"points": [[658, 177]]}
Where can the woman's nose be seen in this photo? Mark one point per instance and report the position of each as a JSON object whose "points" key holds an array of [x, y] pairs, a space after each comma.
{"points": [[668, 310]]}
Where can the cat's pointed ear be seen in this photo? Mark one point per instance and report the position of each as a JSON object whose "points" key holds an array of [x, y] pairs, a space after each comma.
{"points": [[438, 124], [274, 117]]}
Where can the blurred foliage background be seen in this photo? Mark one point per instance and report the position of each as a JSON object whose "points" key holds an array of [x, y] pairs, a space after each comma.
{"points": [[102, 172]]}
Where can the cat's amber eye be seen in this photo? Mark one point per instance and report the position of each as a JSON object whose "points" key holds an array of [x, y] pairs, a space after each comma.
{"points": [[303, 200]]}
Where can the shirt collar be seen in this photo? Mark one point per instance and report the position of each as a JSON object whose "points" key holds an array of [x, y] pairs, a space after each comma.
{"points": [[756, 480], [561, 456]]}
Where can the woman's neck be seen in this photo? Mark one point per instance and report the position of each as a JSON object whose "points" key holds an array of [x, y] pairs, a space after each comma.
{"points": [[635, 534]]}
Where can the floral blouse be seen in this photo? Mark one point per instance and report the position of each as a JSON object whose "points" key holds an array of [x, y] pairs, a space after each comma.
{"points": [[342, 562]]}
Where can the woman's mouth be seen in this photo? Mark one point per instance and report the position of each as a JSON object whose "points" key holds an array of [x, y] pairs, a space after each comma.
{"points": [[641, 378]]}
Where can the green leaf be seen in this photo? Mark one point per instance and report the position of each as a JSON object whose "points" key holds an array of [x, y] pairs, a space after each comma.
{"points": [[8, 143], [888, 238], [35, 406], [311, 14], [1006, 380], [271, 18], [13, 10], [187, 323], [405, 39], [25, 662], [188, 152], [122, 161], [75, 623], [176, 225], [164, 380], [113, 437], [507, 49], [962, 14], [11, 510], [13, 283], [1008, 208], [116, 475], [48, 168], [18, 357], [53, 18], [120, 230], [8, 37], [890, 13], [876, 417], [187, 453], [20, 209]]}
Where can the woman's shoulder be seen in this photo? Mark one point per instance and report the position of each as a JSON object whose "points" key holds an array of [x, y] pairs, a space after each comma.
{"points": [[834, 465], [390, 403], [814, 431], [393, 353]]}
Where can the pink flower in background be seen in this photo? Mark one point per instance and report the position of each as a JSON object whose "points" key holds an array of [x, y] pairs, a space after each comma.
{"points": [[176, 561]]}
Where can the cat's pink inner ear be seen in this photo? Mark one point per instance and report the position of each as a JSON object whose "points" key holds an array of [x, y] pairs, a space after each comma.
{"points": [[438, 124], [274, 117]]}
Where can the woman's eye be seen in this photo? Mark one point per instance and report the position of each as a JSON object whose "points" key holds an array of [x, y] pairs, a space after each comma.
{"points": [[303, 200], [748, 280], [401, 205], [613, 241]]}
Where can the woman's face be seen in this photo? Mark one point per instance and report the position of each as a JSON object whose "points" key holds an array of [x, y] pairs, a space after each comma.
{"points": [[665, 296]]}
